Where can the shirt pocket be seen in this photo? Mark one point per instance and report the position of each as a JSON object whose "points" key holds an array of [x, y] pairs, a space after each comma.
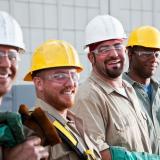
{"points": [[119, 133], [121, 124], [144, 120]]}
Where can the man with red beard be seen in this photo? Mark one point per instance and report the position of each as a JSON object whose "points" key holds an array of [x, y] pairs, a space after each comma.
{"points": [[55, 71], [109, 106], [144, 55], [11, 45]]}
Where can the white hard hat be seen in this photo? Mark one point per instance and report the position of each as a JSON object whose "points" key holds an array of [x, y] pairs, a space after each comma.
{"points": [[10, 31], [103, 27]]}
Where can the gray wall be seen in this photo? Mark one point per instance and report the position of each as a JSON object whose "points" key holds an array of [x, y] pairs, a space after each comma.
{"points": [[20, 94], [66, 19]]}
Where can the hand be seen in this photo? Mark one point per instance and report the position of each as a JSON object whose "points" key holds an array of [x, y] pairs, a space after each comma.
{"points": [[106, 155], [29, 150]]}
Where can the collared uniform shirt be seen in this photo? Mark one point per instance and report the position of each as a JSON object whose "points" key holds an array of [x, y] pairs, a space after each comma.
{"points": [[75, 125], [110, 117], [152, 109]]}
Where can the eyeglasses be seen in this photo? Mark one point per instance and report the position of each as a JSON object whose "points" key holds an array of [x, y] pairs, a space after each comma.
{"points": [[148, 54], [12, 55], [62, 77], [105, 49]]}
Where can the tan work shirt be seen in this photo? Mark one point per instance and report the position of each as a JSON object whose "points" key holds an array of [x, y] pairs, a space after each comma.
{"points": [[110, 117], [75, 125]]}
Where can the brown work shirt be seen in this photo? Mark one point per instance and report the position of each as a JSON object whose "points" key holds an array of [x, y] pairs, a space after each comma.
{"points": [[1, 155], [110, 117], [75, 125]]}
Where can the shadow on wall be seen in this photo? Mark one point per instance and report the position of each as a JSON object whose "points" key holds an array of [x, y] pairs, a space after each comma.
{"points": [[20, 94]]}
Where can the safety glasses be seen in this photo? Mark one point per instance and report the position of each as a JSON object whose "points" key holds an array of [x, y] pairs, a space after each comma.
{"points": [[63, 77], [105, 49], [12, 55], [148, 54]]}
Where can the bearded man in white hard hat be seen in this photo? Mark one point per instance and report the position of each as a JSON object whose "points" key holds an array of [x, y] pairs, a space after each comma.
{"points": [[109, 105], [11, 44]]}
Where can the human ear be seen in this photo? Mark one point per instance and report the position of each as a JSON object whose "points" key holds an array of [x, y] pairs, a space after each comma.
{"points": [[91, 57], [38, 82]]}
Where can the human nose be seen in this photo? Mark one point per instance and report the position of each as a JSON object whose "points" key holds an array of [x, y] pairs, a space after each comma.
{"points": [[155, 57], [114, 52], [71, 80]]}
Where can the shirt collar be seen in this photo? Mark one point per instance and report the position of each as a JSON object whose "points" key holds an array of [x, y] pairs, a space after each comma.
{"points": [[128, 79], [52, 111], [132, 82], [106, 86]]}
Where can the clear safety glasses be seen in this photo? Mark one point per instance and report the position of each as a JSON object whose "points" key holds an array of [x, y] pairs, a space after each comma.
{"points": [[12, 55], [63, 77], [105, 49], [148, 54]]}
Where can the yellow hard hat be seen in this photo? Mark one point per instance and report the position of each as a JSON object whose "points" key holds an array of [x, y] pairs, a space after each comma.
{"points": [[146, 36], [54, 53]]}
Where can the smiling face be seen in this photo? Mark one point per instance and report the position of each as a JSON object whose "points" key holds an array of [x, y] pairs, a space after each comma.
{"points": [[109, 60], [144, 61], [57, 87], [8, 68]]}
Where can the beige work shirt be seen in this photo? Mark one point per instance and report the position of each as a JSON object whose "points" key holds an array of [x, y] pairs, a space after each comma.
{"points": [[75, 125], [110, 117]]}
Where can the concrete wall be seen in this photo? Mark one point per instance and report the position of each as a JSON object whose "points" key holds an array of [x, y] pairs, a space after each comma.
{"points": [[66, 19]]}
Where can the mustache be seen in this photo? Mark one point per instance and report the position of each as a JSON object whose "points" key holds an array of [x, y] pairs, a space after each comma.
{"points": [[110, 59]]}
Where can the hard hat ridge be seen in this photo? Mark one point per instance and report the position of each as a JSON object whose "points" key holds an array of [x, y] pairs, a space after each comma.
{"points": [[103, 27], [10, 32], [53, 54], [145, 36]]}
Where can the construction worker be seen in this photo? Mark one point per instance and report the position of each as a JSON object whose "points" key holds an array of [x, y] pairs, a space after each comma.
{"points": [[11, 45], [144, 56], [109, 106], [55, 69]]}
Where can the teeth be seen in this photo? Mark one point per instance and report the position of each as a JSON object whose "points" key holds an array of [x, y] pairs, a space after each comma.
{"points": [[114, 61], [4, 75], [68, 93]]}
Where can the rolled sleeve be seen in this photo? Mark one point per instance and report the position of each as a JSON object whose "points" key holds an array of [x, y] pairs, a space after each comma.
{"points": [[93, 117]]}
